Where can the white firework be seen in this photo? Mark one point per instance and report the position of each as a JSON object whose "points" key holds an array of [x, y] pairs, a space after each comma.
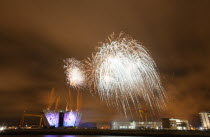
{"points": [[123, 73], [75, 73]]}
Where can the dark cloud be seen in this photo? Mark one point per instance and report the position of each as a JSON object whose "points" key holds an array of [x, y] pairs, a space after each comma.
{"points": [[36, 36]]}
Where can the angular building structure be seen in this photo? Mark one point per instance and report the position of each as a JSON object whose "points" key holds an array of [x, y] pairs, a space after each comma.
{"points": [[205, 119], [56, 118]]}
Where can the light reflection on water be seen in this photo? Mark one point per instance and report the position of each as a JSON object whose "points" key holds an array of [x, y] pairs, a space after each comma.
{"points": [[61, 136], [84, 136]]}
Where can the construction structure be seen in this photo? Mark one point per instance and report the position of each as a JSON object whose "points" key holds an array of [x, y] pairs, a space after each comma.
{"points": [[22, 121], [144, 115]]}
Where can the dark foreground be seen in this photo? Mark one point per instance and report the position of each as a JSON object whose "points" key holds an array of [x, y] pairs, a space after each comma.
{"points": [[161, 133]]}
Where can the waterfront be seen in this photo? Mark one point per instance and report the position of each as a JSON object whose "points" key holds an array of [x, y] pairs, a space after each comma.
{"points": [[96, 132]]}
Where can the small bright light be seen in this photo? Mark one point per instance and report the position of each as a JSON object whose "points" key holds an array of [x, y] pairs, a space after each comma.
{"points": [[179, 128], [2, 128]]}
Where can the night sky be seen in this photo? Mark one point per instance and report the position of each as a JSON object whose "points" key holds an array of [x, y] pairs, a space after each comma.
{"points": [[35, 37]]}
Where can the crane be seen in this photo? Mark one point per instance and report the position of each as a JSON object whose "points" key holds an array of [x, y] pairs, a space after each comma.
{"points": [[31, 115], [143, 114]]}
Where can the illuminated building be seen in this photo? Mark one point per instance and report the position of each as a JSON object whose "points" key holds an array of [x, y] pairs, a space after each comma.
{"points": [[61, 118], [123, 125], [51, 118], [136, 125], [205, 119], [171, 123], [148, 125]]}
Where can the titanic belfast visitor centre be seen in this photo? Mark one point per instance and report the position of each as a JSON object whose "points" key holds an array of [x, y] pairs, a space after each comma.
{"points": [[55, 118]]}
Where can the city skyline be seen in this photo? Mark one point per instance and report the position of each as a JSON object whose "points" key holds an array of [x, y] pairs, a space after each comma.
{"points": [[35, 37]]}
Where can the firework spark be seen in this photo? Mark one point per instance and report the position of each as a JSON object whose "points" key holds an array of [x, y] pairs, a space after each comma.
{"points": [[123, 73], [75, 73]]}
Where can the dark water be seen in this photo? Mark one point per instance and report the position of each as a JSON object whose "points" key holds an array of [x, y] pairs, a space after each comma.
{"points": [[63, 136]]}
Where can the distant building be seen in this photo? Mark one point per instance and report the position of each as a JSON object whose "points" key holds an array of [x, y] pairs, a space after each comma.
{"points": [[148, 125], [171, 123], [88, 125], [136, 125], [123, 125], [205, 119]]}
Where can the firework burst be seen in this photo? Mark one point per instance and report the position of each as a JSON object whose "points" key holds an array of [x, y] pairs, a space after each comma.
{"points": [[124, 74], [75, 73]]}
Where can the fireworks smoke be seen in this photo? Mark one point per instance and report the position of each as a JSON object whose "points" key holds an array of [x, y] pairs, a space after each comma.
{"points": [[69, 101], [51, 99], [57, 103], [123, 73], [75, 73]]}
